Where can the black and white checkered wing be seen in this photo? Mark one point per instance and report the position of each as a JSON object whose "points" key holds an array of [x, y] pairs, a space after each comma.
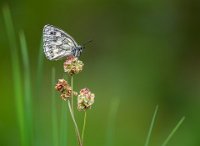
{"points": [[57, 43]]}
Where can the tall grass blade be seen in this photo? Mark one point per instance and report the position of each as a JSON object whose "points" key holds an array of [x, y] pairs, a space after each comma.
{"points": [[54, 112], [151, 126], [27, 85], [16, 75], [173, 131], [111, 120]]}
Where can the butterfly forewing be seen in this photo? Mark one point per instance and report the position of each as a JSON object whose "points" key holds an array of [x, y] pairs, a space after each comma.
{"points": [[57, 43]]}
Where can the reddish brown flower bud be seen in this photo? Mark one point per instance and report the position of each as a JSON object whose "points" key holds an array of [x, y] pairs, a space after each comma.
{"points": [[64, 88], [61, 85]]}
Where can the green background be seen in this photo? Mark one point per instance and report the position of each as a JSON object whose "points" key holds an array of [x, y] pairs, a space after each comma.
{"points": [[144, 53]]}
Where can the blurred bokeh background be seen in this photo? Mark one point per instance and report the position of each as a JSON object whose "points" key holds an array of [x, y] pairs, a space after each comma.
{"points": [[144, 53]]}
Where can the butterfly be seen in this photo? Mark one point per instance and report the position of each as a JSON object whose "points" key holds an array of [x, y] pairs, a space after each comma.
{"points": [[58, 44]]}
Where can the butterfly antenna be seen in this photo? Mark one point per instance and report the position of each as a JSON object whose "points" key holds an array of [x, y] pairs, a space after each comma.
{"points": [[87, 42]]}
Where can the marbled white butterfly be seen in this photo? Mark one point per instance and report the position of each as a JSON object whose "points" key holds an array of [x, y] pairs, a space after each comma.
{"points": [[59, 44]]}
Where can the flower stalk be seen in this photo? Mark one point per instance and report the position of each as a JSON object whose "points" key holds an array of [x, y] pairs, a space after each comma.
{"points": [[75, 124], [84, 124], [85, 98], [72, 97]]}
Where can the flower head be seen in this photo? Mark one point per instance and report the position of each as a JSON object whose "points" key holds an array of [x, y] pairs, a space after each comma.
{"points": [[72, 65], [85, 99], [61, 85], [64, 88]]}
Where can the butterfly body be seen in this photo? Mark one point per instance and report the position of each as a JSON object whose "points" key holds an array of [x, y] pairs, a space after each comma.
{"points": [[58, 44]]}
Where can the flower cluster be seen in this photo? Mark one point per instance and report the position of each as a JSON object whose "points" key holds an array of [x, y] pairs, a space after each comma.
{"points": [[85, 99], [64, 88], [72, 65]]}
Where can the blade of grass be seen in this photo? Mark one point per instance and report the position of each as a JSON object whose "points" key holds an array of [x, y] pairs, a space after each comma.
{"points": [[173, 131], [27, 85], [54, 112], [151, 126], [111, 120], [16, 75]]}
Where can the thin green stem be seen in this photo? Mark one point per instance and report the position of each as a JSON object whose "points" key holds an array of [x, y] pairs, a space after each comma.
{"points": [[151, 126], [72, 96], [84, 124], [75, 124], [173, 131]]}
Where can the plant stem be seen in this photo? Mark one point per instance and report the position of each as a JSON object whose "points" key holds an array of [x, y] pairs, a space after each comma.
{"points": [[151, 126], [72, 99], [84, 123], [75, 124], [173, 131]]}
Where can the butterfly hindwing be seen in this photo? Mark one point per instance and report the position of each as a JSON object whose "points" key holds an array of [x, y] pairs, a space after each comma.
{"points": [[57, 43]]}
